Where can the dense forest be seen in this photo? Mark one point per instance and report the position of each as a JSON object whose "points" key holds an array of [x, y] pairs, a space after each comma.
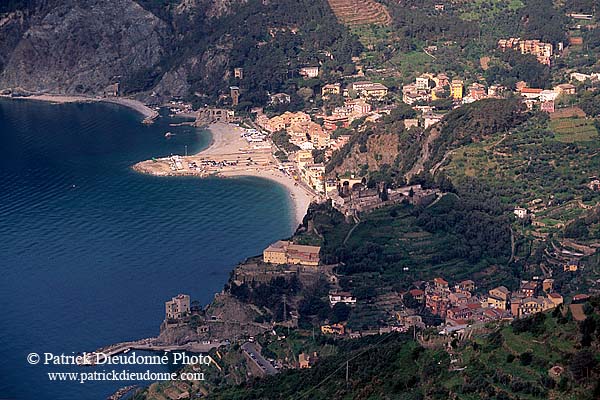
{"points": [[12, 5]]}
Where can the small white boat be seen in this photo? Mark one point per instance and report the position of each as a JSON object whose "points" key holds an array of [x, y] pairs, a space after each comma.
{"points": [[169, 134]]}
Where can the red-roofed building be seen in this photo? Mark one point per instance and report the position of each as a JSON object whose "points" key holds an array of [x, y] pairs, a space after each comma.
{"points": [[530, 93], [548, 106], [529, 288], [467, 285], [492, 314], [580, 298], [437, 305], [459, 299], [555, 298], [459, 313], [417, 294], [440, 283]]}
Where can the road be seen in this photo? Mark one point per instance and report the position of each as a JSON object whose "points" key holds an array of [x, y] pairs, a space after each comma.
{"points": [[258, 359]]}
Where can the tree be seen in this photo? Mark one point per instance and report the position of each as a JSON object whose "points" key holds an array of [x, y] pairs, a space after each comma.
{"points": [[582, 364], [339, 313]]}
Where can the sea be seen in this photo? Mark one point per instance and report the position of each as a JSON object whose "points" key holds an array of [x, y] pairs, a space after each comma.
{"points": [[90, 250]]}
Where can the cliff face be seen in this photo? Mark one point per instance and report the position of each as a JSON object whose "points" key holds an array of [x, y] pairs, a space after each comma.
{"points": [[381, 149], [159, 49], [81, 46], [12, 27]]}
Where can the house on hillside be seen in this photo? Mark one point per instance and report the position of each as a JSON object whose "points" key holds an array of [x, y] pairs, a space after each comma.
{"points": [[565, 89], [341, 297], [571, 266], [285, 252], [367, 89], [520, 212], [309, 72], [498, 297], [331, 89]]}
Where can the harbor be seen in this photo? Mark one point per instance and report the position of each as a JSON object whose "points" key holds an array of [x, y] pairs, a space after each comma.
{"points": [[149, 344]]}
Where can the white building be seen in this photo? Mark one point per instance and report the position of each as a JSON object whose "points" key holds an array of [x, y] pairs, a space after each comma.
{"points": [[422, 83], [341, 297], [520, 212], [309, 72]]}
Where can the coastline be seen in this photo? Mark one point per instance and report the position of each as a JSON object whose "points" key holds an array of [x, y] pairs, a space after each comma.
{"points": [[221, 143], [138, 106], [300, 197], [227, 144]]}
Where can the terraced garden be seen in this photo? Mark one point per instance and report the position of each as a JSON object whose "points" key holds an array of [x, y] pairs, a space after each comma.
{"points": [[553, 164], [360, 12], [389, 245], [570, 130]]}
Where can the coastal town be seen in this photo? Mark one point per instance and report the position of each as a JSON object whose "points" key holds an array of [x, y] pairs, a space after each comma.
{"points": [[294, 148], [441, 161]]}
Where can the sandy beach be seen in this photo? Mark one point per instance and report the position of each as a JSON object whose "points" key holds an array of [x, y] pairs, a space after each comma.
{"points": [[236, 158], [135, 105], [226, 139]]}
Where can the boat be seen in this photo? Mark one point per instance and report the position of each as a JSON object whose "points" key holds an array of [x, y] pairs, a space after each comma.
{"points": [[169, 134]]}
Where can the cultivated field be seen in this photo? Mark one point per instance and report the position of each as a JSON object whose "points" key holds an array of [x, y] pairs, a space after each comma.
{"points": [[571, 130], [360, 12]]}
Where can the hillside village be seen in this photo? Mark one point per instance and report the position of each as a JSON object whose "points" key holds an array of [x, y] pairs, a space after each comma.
{"points": [[382, 141], [303, 143]]}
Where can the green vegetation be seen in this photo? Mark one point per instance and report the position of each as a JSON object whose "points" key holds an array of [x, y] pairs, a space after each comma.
{"points": [[570, 130], [282, 140], [394, 246], [534, 163], [269, 40], [474, 122], [511, 67], [502, 362]]}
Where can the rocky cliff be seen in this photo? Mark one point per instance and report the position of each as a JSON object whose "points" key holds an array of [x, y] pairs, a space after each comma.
{"points": [[83, 46], [157, 49], [80, 46]]}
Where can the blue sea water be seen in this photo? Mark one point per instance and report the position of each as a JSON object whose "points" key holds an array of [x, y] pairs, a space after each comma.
{"points": [[90, 250]]}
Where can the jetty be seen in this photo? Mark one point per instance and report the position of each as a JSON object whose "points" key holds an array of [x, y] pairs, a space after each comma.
{"points": [[119, 394], [148, 344]]}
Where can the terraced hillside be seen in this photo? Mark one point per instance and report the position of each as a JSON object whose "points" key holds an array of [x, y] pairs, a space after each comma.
{"points": [[360, 12]]}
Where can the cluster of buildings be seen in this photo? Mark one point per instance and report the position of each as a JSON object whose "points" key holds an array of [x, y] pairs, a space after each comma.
{"points": [[342, 117], [363, 89], [285, 252], [545, 98], [311, 173], [428, 87], [542, 51], [580, 77], [303, 132], [309, 135], [458, 305], [349, 196]]}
